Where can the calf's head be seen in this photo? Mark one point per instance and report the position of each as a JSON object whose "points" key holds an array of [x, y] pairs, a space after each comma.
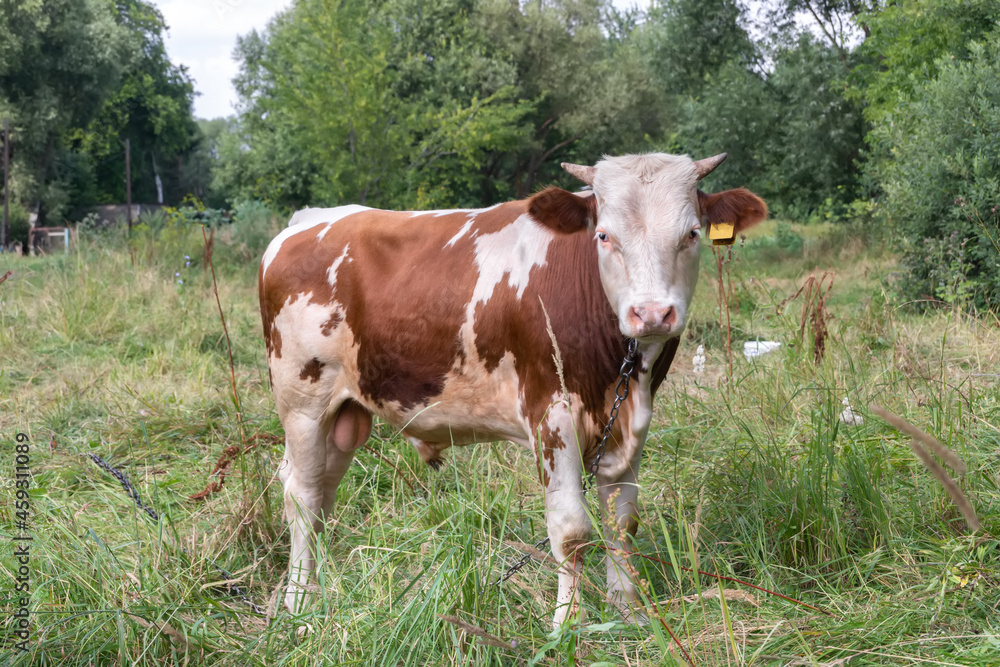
{"points": [[647, 217]]}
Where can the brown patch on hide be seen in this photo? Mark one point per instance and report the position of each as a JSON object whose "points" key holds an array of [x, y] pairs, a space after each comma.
{"points": [[584, 325], [300, 267], [662, 364], [404, 294], [334, 320], [312, 370]]}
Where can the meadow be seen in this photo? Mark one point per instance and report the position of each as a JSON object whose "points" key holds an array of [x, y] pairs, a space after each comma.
{"points": [[118, 349]]}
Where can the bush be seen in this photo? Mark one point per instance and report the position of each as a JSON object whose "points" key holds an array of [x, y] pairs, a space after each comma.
{"points": [[193, 212], [254, 225], [941, 189], [155, 219], [19, 226], [787, 238]]}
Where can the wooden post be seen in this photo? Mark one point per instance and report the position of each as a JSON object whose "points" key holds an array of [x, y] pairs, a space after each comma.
{"points": [[6, 184], [128, 184]]}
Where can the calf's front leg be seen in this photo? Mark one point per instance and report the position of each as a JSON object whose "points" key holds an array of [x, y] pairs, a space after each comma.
{"points": [[619, 506], [565, 513]]}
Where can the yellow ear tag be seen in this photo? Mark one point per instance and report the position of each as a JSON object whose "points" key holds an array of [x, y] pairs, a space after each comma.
{"points": [[722, 233]]}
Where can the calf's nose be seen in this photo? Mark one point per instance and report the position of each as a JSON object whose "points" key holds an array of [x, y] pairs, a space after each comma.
{"points": [[652, 318]]}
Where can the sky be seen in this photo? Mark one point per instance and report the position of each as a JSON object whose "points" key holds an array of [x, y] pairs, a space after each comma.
{"points": [[202, 35]]}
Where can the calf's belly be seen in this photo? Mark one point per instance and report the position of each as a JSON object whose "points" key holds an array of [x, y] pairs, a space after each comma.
{"points": [[443, 422]]}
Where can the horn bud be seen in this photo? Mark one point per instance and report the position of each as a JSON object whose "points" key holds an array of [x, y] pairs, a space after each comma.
{"points": [[585, 174], [706, 166]]}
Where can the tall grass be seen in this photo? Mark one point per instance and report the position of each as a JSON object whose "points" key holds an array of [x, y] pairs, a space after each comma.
{"points": [[106, 351]]}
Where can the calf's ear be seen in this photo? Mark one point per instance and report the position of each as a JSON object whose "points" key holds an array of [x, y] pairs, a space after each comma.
{"points": [[563, 212], [739, 207]]}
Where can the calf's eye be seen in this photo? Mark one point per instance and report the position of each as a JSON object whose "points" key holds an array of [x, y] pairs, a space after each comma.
{"points": [[602, 236], [695, 233]]}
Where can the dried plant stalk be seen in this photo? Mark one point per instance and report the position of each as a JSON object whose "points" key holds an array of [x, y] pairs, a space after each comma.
{"points": [[946, 454], [476, 631], [814, 311], [731, 594]]}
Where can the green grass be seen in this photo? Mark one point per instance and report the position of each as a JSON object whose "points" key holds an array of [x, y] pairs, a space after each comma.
{"points": [[754, 478]]}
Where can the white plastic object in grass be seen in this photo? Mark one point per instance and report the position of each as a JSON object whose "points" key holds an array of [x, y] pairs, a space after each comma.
{"points": [[756, 348], [848, 416], [699, 360]]}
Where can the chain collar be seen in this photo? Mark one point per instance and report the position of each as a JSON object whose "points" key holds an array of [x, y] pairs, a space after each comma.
{"points": [[621, 393]]}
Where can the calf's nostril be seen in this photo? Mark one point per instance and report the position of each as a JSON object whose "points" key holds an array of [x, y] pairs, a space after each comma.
{"points": [[637, 314]]}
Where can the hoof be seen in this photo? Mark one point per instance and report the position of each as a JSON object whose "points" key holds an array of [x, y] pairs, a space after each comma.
{"points": [[303, 631], [630, 609], [575, 614], [634, 617], [436, 464]]}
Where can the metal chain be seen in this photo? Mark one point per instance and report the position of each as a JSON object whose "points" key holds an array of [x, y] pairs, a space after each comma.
{"points": [[517, 565], [231, 588], [129, 489], [621, 393]]}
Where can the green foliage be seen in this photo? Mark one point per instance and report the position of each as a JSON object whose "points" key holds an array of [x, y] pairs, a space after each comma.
{"points": [[77, 77], [941, 187], [253, 226], [819, 131], [203, 164], [791, 134], [687, 41], [59, 59], [415, 104], [907, 42], [192, 211], [351, 102], [151, 107], [156, 219], [787, 238], [19, 224]]}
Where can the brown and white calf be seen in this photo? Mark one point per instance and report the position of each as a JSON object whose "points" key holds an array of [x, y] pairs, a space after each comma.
{"points": [[435, 322]]}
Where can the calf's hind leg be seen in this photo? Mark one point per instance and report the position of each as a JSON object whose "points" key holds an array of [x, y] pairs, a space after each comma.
{"points": [[302, 474], [318, 454]]}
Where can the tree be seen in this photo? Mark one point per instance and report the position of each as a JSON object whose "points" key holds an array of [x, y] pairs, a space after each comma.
{"points": [[928, 78], [778, 107], [689, 40], [836, 22], [590, 92], [941, 189], [819, 129], [152, 107], [78, 77], [59, 59], [204, 161], [907, 41]]}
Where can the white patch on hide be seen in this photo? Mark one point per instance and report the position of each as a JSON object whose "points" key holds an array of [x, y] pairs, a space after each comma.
{"points": [[512, 251], [307, 218], [331, 273]]}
